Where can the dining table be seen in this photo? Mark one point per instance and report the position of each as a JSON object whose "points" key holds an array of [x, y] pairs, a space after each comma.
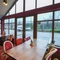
{"points": [[28, 50]]}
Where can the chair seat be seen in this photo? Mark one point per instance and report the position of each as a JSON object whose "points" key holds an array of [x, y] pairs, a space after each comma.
{"points": [[18, 41]]}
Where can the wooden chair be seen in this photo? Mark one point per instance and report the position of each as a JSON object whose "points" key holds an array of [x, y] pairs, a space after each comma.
{"points": [[6, 46], [56, 54], [18, 41], [49, 55]]}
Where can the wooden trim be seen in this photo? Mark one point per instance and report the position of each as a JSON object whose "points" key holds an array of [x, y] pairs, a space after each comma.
{"points": [[2, 26], [15, 28], [35, 27], [53, 29], [24, 22], [24, 5], [35, 11]]}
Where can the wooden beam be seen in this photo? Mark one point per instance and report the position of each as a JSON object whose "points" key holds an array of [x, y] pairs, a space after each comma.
{"points": [[35, 11]]}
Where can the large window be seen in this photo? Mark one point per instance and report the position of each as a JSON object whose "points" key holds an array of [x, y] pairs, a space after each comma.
{"points": [[57, 27], [19, 6], [44, 30], [42, 3], [12, 26], [9, 26], [44, 21], [44, 26], [29, 4], [45, 16], [57, 32], [19, 27], [29, 26]]}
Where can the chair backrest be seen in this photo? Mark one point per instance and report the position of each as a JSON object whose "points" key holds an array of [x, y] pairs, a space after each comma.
{"points": [[7, 45], [27, 38], [49, 55], [18, 41]]}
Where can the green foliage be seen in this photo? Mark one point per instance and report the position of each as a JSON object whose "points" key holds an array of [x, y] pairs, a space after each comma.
{"points": [[50, 30], [57, 30]]}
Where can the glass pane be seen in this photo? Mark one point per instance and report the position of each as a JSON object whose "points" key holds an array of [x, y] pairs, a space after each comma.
{"points": [[45, 16], [57, 32], [6, 26], [44, 30], [29, 4], [6, 21], [19, 6], [12, 20], [12, 26], [42, 3], [57, 1], [12, 11], [57, 15], [19, 27], [9, 26], [29, 26]]}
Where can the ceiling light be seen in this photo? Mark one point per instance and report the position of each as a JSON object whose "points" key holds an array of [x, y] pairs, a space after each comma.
{"points": [[5, 2]]}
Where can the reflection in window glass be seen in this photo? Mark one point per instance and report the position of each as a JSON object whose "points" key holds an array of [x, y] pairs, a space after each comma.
{"points": [[57, 15], [19, 27], [19, 6], [29, 26], [29, 4], [57, 32], [45, 16], [42, 3], [57, 1], [44, 30], [12, 11]]}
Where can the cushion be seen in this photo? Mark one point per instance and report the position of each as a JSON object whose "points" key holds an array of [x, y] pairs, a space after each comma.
{"points": [[19, 41], [8, 45]]}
